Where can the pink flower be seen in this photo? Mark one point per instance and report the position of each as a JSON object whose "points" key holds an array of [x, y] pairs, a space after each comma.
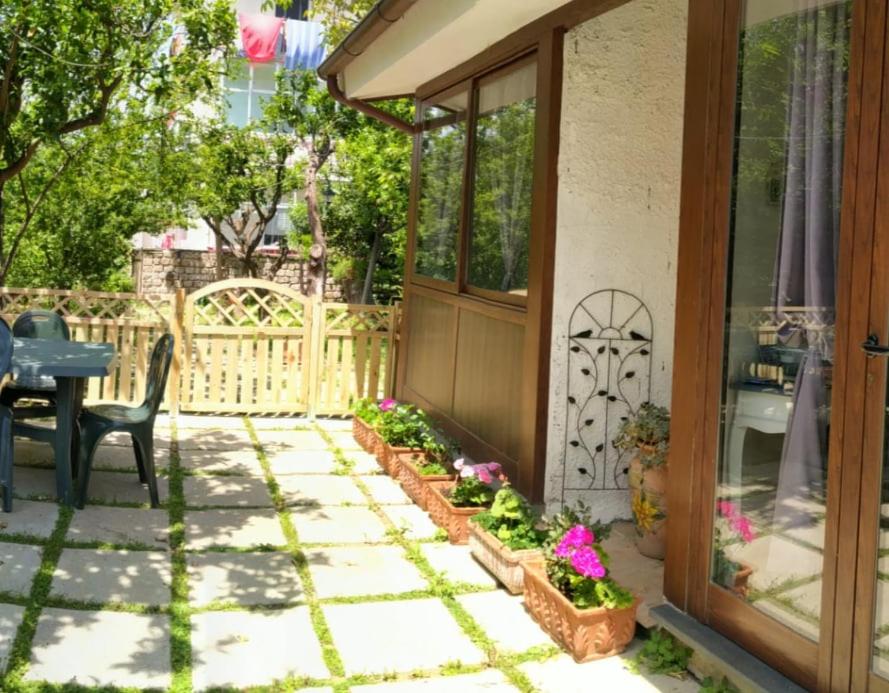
{"points": [[727, 509], [578, 537], [743, 527], [388, 404], [483, 474], [586, 562]]}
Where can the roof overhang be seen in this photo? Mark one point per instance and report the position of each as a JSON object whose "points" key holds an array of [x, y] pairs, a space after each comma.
{"points": [[403, 44]]}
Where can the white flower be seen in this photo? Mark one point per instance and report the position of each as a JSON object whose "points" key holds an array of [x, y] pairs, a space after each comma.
{"points": [[459, 463]]}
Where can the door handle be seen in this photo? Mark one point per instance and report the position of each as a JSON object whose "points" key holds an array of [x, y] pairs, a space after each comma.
{"points": [[872, 347]]}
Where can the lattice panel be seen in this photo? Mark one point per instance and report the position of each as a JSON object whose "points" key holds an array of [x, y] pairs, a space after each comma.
{"points": [[77, 306], [249, 307], [357, 318]]}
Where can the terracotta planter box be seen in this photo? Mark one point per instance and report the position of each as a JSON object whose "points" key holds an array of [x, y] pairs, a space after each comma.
{"points": [[455, 521], [363, 433], [740, 586], [586, 634], [502, 562], [388, 457], [416, 485]]}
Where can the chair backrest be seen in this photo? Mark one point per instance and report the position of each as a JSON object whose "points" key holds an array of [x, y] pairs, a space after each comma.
{"points": [[42, 324], [158, 370], [5, 348]]}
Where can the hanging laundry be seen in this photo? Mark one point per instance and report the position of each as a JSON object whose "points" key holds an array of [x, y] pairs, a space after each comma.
{"points": [[304, 45], [259, 36]]}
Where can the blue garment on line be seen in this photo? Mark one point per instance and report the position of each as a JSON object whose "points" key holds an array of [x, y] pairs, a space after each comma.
{"points": [[305, 46]]}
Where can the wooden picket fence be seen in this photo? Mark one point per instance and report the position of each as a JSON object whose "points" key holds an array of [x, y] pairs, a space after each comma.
{"points": [[243, 346]]}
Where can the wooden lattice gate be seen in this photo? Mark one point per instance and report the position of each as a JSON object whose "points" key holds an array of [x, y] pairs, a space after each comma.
{"points": [[253, 346]]}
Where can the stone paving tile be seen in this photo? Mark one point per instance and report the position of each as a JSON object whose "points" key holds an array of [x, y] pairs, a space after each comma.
{"points": [[385, 490], [245, 578], [162, 439], [101, 577], [214, 439], [32, 452], [337, 525], [488, 681], [359, 571], [419, 634], [563, 675], [314, 490], [233, 491], [265, 423], [344, 440], [334, 424], [232, 423], [232, 529], [34, 483], [10, 618], [457, 563], [30, 518], [122, 457], [239, 649], [237, 462], [410, 518], [19, 564], [503, 617], [284, 462], [117, 487], [101, 648], [120, 526], [295, 440], [363, 462]]}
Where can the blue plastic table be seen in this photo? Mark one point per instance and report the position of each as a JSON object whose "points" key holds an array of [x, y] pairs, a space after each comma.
{"points": [[70, 363]]}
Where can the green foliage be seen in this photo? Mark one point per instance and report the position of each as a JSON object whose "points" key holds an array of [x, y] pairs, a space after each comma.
{"points": [[367, 409], [568, 517], [585, 592], [405, 426], [339, 17], [647, 431], [471, 492], [711, 685], [663, 654], [512, 521]]}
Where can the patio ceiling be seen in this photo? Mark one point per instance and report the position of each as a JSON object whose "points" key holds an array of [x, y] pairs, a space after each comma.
{"points": [[429, 38]]}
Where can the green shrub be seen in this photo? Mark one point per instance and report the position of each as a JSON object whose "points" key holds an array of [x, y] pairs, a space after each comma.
{"points": [[512, 521]]}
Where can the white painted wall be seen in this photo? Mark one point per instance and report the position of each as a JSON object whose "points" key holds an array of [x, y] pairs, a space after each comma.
{"points": [[618, 211]]}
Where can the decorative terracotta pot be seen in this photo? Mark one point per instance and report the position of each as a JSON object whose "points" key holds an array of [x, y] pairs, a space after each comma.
{"points": [[501, 561], [363, 433], [415, 484], [389, 458], [586, 633], [648, 486], [740, 586], [455, 521]]}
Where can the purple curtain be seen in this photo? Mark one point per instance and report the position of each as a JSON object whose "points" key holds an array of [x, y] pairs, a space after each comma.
{"points": [[805, 266]]}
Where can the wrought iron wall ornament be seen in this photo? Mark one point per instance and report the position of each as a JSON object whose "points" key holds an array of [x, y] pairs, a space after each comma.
{"points": [[609, 376]]}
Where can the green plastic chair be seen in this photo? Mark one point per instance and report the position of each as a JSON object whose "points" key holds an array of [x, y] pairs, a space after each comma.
{"points": [[39, 324], [97, 422], [6, 445]]}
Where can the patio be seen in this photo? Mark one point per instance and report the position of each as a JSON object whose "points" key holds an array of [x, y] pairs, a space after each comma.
{"points": [[281, 558]]}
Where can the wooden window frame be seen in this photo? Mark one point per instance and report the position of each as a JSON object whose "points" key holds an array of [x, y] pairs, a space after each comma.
{"points": [[471, 84]]}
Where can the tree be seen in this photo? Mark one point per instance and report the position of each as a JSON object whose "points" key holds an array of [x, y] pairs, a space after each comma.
{"points": [[65, 64], [338, 17], [239, 177]]}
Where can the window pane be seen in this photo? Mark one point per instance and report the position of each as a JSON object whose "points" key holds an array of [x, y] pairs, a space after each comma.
{"points": [[237, 108], [768, 542], [504, 170], [264, 77], [441, 187]]}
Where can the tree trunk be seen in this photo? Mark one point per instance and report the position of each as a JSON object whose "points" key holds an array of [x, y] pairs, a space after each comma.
{"points": [[220, 274], [2, 237], [367, 290], [318, 251]]}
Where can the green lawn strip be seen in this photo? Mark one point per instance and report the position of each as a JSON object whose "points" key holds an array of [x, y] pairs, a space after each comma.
{"points": [[20, 653], [180, 621], [111, 546], [20, 538], [447, 591], [319, 623]]}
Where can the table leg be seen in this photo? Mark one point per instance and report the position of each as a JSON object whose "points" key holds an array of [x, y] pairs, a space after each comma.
{"points": [[69, 399]]}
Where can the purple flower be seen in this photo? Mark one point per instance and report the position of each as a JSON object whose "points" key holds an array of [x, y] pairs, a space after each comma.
{"points": [[586, 562], [481, 471], [388, 404], [579, 535]]}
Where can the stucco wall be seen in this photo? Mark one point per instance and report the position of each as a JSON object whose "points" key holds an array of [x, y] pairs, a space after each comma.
{"points": [[618, 211]]}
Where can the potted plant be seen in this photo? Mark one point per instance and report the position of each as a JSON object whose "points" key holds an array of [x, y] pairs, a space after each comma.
{"points": [[433, 465], [647, 433], [451, 504], [402, 429], [731, 528], [505, 536], [365, 414], [572, 597]]}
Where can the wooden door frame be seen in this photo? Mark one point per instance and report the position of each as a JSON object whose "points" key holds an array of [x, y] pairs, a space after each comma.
{"points": [[697, 377]]}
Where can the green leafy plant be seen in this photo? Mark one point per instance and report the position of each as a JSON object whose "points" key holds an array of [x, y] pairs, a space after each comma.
{"points": [[648, 431], [404, 426], [711, 685], [368, 410], [475, 487], [438, 457], [512, 521], [578, 568], [663, 654]]}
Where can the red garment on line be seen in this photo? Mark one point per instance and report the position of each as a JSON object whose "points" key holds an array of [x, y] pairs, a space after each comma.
{"points": [[259, 36]]}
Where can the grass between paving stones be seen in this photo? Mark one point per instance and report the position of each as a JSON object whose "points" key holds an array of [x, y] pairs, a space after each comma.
{"points": [[20, 653], [180, 614], [447, 591]]}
